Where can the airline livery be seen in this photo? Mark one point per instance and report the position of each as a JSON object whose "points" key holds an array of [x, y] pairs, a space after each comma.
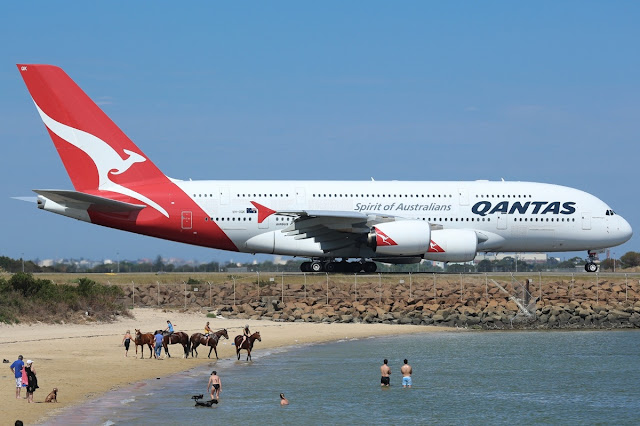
{"points": [[337, 225]]}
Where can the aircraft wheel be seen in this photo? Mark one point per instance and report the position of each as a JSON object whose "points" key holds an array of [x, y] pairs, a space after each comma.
{"points": [[316, 267], [305, 266], [591, 267], [370, 267], [330, 267], [356, 267]]}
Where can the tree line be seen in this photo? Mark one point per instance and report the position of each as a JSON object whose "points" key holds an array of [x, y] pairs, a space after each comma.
{"points": [[630, 259]]}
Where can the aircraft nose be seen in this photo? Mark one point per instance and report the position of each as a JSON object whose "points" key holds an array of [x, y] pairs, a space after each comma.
{"points": [[623, 231]]}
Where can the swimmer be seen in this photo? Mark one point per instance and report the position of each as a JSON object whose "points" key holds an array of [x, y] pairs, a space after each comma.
{"points": [[283, 400], [215, 384], [385, 371], [406, 374]]}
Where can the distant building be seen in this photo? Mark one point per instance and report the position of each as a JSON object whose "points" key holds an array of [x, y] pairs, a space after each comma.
{"points": [[522, 257]]}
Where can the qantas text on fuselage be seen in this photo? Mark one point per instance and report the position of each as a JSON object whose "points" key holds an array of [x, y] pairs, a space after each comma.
{"points": [[117, 186]]}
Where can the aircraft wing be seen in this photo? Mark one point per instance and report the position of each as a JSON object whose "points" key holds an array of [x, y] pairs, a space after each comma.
{"points": [[80, 200], [331, 229]]}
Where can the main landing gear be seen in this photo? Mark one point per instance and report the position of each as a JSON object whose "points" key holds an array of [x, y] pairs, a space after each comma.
{"points": [[323, 265], [591, 262]]}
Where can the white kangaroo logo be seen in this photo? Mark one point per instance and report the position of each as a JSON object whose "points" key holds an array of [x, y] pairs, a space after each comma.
{"points": [[384, 239], [106, 159]]}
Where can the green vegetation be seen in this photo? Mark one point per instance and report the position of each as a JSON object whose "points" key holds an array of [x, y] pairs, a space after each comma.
{"points": [[24, 298]]}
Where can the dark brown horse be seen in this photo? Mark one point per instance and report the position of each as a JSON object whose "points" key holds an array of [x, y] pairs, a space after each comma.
{"points": [[172, 339], [142, 339], [247, 344], [198, 339]]}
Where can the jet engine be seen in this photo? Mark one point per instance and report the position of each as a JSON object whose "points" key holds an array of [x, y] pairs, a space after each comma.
{"points": [[452, 245], [402, 238]]}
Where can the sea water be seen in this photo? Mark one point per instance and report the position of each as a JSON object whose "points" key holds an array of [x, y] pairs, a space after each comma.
{"points": [[458, 378]]}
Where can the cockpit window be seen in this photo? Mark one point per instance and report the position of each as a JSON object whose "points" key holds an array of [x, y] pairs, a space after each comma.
{"points": [[610, 213]]}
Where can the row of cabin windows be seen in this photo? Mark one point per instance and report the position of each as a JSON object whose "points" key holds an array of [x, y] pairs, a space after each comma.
{"points": [[503, 196], [435, 219], [243, 195], [382, 196], [367, 195], [228, 219], [544, 219], [244, 219]]}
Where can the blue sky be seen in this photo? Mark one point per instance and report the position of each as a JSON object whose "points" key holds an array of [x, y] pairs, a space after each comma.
{"points": [[533, 91]]}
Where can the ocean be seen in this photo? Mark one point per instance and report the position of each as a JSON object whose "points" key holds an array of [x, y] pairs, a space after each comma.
{"points": [[559, 377]]}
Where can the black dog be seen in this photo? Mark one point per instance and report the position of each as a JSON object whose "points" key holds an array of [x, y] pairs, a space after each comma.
{"points": [[203, 404]]}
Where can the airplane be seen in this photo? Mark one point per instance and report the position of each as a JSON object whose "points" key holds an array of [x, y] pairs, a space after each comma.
{"points": [[339, 226]]}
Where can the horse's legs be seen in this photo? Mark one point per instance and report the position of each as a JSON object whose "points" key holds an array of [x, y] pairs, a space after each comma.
{"points": [[215, 348], [166, 351]]}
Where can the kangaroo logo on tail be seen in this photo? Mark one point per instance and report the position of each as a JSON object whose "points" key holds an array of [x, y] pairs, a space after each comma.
{"points": [[106, 159]]}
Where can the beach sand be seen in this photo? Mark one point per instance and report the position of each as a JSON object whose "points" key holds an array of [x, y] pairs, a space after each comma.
{"points": [[85, 361]]}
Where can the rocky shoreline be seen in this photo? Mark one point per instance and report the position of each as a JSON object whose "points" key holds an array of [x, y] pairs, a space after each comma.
{"points": [[571, 315], [473, 302]]}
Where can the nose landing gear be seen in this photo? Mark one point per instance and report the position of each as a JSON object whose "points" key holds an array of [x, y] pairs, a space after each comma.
{"points": [[591, 265]]}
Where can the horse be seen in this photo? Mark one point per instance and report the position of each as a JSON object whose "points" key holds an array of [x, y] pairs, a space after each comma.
{"points": [[177, 337], [247, 344], [198, 339], [142, 339]]}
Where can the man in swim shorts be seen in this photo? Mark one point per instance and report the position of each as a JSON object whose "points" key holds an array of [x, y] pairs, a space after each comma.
{"points": [[406, 374], [215, 384], [385, 371]]}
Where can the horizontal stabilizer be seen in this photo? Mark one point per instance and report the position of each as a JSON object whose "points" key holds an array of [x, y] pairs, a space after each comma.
{"points": [[80, 200], [27, 199]]}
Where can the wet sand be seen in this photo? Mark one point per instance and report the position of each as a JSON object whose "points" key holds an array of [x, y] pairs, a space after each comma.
{"points": [[85, 361]]}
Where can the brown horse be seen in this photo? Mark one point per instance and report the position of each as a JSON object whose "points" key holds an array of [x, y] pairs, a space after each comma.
{"points": [[198, 339], [247, 344], [177, 337], [142, 339]]}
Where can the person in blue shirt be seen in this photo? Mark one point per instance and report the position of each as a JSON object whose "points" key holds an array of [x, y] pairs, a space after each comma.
{"points": [[169, 328], [159, 337], [16, 369]]}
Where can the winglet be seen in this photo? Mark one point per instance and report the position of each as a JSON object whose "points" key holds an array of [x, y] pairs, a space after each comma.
{"points": [[263, 212]]}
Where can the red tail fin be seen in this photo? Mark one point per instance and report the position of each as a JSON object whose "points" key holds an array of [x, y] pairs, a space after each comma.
{"points": [[95, 152]]}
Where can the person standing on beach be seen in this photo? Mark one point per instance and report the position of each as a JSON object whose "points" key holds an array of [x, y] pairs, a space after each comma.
{"points": [[215, 384], [406, 374], [159, 338], [33, 380], [385, 371], [16, 369], [126, 341]]}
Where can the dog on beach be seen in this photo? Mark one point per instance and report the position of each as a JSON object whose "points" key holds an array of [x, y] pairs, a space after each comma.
{"points": [[53, 396]]}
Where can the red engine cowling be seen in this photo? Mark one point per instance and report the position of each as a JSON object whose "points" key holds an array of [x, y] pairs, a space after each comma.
{"points": [[452, 245], [402, 238]]}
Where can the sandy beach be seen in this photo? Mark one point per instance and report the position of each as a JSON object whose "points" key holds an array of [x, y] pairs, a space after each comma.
{"points": [[85, 361]]}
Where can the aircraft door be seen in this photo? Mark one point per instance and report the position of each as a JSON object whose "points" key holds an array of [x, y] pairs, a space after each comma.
{"points": [[265, 223], [586, 220], [463, 196], [187, 220], [301, 199], [502, 220], [224, 196]]}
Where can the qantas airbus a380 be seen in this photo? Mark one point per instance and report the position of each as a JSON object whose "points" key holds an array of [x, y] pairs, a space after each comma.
{"points": [[117, 186]]}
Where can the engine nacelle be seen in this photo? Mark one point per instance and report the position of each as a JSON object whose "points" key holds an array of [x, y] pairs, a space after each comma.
{"points": [[452, 245], [402, 238]]}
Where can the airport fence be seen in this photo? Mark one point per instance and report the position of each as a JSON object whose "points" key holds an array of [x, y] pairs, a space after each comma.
{"points": [[378, 289]]}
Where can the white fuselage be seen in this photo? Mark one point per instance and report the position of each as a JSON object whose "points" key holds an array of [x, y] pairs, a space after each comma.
{"points": [[514, 216]]}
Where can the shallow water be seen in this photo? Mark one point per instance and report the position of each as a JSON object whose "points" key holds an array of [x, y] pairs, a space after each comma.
{"points": [[459, 378]]}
